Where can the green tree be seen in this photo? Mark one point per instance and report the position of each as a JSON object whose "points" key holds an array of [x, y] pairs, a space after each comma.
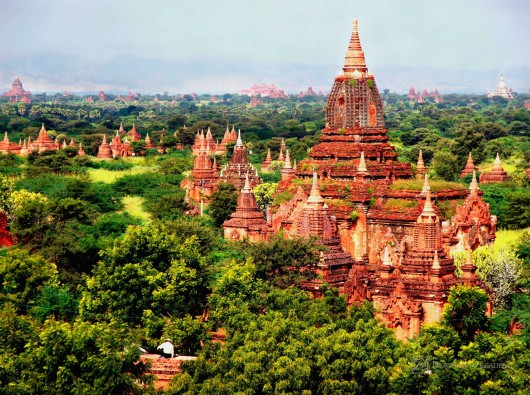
{"points": [[281, 351], [264, 194], [147, 276], [80, 358], [465, 311], [445, 165], [223, 203], [280, 260], [23, 277]]}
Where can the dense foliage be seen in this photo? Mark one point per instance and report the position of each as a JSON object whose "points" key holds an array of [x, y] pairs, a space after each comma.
{"points": [[106, 259]]}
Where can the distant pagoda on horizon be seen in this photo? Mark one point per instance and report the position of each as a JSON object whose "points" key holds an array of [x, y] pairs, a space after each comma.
{"points": [[501, 90], [17, 92]]}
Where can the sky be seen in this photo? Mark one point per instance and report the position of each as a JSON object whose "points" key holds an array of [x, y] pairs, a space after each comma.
{"points": [[222, 46]]}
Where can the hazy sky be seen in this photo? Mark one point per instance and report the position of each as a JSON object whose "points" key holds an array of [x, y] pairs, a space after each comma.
{"points": [[226, 44]]}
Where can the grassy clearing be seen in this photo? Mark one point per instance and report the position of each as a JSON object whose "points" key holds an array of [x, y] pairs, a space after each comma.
{"points": [[109, 176], [133, 206], [399, 204]]}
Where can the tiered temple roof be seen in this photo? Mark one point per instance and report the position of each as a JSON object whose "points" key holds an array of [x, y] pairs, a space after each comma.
{"points": [[214, 147], [204, 176], [7, 146], [355, 124], [119, 147], [315, 221], [268, 160], [472, 225], [247, 221], [469, 168], [43, 142], [235, 171], [133, 134], [497, 173], [17, 92]]}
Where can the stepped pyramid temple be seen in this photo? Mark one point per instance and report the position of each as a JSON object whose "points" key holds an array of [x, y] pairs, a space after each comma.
{"points": [[17, 92], [389, 232], [497, 173]]}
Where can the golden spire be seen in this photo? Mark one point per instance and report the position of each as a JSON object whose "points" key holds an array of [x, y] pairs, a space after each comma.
{"points": [[354, 59]]}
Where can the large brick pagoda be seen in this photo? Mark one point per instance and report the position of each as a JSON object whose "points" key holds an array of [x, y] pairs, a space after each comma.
{"points": [[388, 223], [355, 125]]}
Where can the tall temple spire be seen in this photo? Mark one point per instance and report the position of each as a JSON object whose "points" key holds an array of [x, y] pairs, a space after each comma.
{"points": [[428, 209], [288, 164], [246, 187], [473, 186], [314, 197], [239, 141], [426, 187], [469, 168], [497, 163], [354, 59], [43, 133], [420, 165]]}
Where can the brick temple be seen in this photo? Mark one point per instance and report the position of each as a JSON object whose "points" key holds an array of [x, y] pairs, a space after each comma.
{"points": [[385, 243], [42, 143], [17, 92], [121, 148], [206, 174]]}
